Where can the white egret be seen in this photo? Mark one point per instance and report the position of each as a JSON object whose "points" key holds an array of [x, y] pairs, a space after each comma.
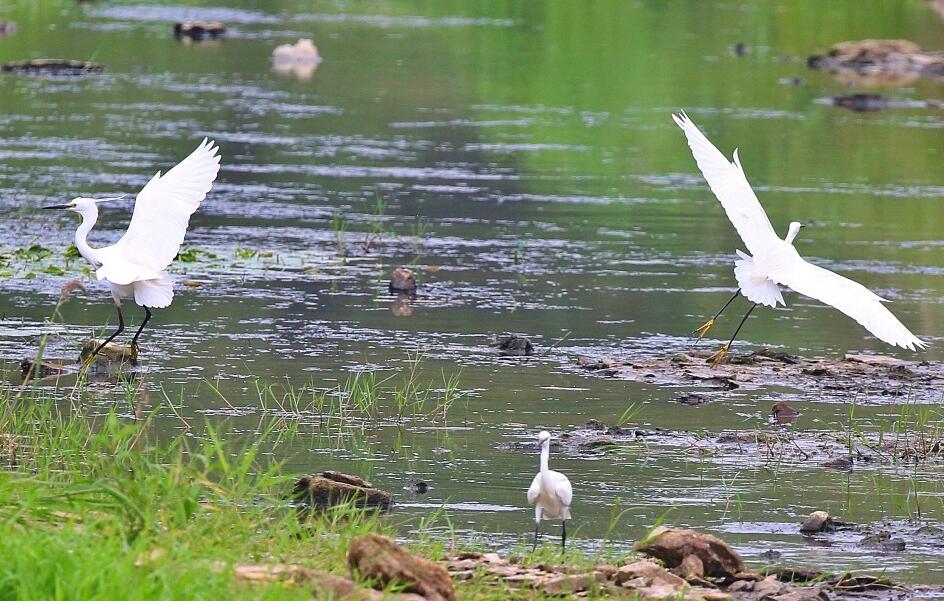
{"points": [[550, 493], [135, 265], [774, 262]]}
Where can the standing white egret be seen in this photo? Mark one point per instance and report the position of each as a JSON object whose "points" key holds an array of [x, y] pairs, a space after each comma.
{"points": [[774, 261], [550, 493], [135, 265]]}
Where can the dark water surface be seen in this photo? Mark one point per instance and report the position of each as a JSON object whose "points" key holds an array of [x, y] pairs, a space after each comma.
{"points": [[533, 178]]}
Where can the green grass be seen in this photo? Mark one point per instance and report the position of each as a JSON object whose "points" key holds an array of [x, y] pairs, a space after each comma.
{"points": [[103, 508]]}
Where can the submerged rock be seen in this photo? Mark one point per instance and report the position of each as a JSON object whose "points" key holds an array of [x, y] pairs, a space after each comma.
{"points": [[514, 346], [334, 488], [52, 67], [821, 521], [402, 280], [882, 541], [379, 559], [695, 552], [198, 30]]}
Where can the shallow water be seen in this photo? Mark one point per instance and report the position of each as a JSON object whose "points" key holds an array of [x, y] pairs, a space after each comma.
{"points": [[533, 178]]}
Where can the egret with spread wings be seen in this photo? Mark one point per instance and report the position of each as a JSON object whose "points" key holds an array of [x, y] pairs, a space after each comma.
{"points": [[774, 262], [135, 265]]}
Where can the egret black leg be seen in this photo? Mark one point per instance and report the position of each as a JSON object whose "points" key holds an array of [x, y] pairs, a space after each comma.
{"points": [[563, 536], [701, 330], [147, 317], [740, 325], [121, 328], [718, 357], [537, 526]]}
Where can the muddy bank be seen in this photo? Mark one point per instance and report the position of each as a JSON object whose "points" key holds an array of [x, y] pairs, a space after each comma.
{"points": [[868, 378]]}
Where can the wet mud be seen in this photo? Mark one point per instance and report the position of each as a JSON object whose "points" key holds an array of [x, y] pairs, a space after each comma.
{"points": [[865, 378]]}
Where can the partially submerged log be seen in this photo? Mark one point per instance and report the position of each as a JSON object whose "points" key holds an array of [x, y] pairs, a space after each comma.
{"points": [[52, 66], [379, 559], [30, 368], [199, 30], [112, 354], [320, 491]]}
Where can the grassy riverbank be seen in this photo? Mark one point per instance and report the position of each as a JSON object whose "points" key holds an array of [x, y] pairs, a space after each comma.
{"points": [[100, 508]]}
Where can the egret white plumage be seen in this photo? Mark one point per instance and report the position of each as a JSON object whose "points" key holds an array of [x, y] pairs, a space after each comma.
{"points": [[550, 493], [774, 262], [135, 265]]}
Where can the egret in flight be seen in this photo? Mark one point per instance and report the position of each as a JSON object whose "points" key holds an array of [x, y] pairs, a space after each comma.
{"points": [[774, 262], [135, 265], [550, 493]]}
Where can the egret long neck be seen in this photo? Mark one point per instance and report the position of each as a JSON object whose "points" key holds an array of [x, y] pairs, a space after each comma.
{"points": [[545, 454], [89, 217], [792, 232]]}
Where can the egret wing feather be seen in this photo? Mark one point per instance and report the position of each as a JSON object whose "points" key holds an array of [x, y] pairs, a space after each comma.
{"points": [[852, 298], [163, 208], [534, 491], [729, 184], [562, 487]]}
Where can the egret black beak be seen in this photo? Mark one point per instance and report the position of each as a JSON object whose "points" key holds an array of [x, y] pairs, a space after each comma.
{"points": [[57, 207]]}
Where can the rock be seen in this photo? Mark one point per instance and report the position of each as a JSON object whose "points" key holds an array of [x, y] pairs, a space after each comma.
{"points": [[302, 51], [671, 546], [692, 398], [52, 66], [649, 572], [111, 354], [818, 521], [882, 541], [767, 587], [771, 555], [567, 583], [198, 30], [333, 488], [861, 103], [740, 49], [514, 346], [325, 584], [378, 558], [418, 487], [783, 413], [839, 463], [402, 280], [880, 360]]}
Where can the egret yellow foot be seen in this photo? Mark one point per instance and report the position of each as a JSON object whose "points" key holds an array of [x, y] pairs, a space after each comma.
{"points": [[719, 357], [133, 355], [87, 362], [703, 329]]}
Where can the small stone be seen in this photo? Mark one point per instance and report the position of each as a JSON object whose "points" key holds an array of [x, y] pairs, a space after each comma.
{"points": [[402, 280], [839, 463], [767, 587], [514, 346]]}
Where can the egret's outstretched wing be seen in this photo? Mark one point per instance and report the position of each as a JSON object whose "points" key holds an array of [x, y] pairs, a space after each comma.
{"points": [[852, 298], [163, 208], [729, 184]]}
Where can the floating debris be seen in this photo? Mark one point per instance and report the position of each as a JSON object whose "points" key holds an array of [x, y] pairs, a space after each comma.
{"points": [[199, 30], [52, 67]]}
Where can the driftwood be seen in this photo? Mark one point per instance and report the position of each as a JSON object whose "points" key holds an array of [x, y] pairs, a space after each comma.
{"points": [[320, 491], [378, 558], [879, 62]]}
